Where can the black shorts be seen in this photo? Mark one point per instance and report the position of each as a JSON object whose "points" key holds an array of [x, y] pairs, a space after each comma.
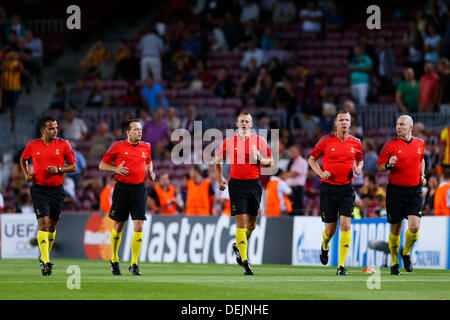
{"points": [[128, 199], [245, 196], [47, 201], [402, 202], [335, 201]]}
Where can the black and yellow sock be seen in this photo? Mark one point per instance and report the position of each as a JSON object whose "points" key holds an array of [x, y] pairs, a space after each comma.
{"points": [[344, 244], [51, 240], [410, 239], [326, 241], [42, 237], [248, 233], [136, 245], [394, 246], [116, 237], [241, 241]]}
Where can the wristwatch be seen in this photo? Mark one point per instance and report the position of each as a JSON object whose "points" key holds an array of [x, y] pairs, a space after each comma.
{"points": [[59, 170]]}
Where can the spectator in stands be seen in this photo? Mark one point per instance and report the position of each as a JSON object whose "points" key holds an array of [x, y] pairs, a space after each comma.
{"points": [[188, 121], [428, 89], [153, 95], [99, 142], [252, 52], [367, 49], [407, 95], [11, 40], [250, 11], [268, 39], [251, 32], [59, 99], [360, 75], [24, 204], [431, 155], [200, 198], [206, 78], [157, 132], [428, 208], [122, 58], [315, 95], [36, 47], [106, 194], [190, 44], [11, 88], [311, 124], [232, 30], [277, 196], [164, 197], [332, 19], [17, 176], [16, 26], [78, 96], [73, 128], [107, 67], [223, 87], [91, 189], [69, 189], [380, 205], [370, 157], [413, 48], [151, 48], [25, 58], [444, 85], [432, 45], [181, 77], [442, 196], [302, 79], [446, 38], [244, 86], [261, 123], [263, 89], [94, 57], [218, 41], [311, 18], [296, 177], [132, 98], [278, 52], [386, 66], [327, 118], [284, 11], [284, 96], [349, 106], [99, 97], [275, 70], [144, 116], [171, 119], [77, 175], [370, 186]]}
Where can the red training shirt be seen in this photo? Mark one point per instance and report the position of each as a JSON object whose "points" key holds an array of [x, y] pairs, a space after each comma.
{"points": [[338, 157], [240, 155], [406, 171], [135, 157], [55, 154]]}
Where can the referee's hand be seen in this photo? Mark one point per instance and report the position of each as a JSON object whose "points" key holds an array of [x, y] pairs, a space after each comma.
{"points": [[325, 175], [222, 185], [120, 170], [29, 178]]}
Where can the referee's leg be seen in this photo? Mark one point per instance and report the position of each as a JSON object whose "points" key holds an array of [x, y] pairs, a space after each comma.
{"points": [[42, 237], [242, 221]]}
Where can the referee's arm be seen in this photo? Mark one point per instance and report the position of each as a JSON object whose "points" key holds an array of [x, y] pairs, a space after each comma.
{"points": [[218, 169], [26, 172], [103, 166], [316, 168]]}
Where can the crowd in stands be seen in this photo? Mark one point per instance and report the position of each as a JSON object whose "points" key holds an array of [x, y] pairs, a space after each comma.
{"points": [[259, 56]]}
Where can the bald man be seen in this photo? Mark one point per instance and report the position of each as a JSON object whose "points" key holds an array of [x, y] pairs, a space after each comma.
{"points": [[403, 158]]}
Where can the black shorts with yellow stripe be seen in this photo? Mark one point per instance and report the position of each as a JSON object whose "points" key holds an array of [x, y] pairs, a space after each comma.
{"points": [[245, 196], [402, 202], [128, 199]]}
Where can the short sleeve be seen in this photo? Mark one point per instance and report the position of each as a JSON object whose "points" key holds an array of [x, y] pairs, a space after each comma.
{"points": [[384, 154], [317, 152], [400, 87], [27, 153], [110, 154], [264, 148], [359, 153], [69, 156]]}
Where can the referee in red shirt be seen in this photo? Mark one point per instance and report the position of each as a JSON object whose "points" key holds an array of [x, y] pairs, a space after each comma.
{"points": [[129, 159], [404, 159], [48, 154], [246, 153], [339, 151]]}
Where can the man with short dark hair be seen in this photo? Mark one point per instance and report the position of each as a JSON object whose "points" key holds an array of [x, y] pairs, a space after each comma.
{"points": [[130, 160], [48, 154], [339, 151]]}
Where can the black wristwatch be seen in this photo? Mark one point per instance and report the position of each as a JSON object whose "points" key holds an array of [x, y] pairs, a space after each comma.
{"points": [[388, 167], [59, 170]]}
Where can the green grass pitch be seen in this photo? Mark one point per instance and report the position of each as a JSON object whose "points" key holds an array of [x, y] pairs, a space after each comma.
{"points": [[21, 279]]}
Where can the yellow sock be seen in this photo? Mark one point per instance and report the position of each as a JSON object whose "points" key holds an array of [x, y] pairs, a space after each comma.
{"points": [[115, 243], [136, 245], [394, 246], [248, 233], [51, 240], [42, 237], [346, 237], [241, 241], [410, 239], [326, 241]]}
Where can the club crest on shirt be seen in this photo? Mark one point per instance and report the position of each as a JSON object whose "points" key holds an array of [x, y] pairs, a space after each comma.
{"points": [[143, 155], [126, 152], [332, 149], [399, 151], [353, 150], [38, 152], [418, 151], [57, 152]]}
